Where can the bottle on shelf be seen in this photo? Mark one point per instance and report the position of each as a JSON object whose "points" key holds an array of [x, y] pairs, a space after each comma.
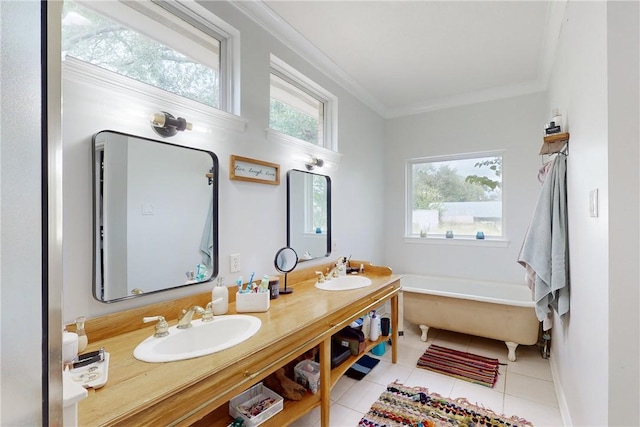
{"points": [[366, 323], [374, 327]]}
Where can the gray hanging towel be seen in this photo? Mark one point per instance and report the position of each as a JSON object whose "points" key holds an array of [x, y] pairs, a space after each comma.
{"points": [[545, 250]]}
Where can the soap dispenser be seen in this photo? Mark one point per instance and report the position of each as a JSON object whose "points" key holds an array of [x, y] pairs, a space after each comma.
{"points": [[83, 340], [220, 298]]}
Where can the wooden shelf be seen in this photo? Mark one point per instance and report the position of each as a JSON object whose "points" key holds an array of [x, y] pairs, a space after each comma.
{"points": [[554, 143], [292, 409]]}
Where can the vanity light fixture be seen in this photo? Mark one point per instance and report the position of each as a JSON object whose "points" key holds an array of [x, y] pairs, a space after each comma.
{"points": [[165, 124], [311, 164]]}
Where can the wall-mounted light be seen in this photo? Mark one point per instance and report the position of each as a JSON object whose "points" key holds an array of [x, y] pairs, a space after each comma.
{"points": [[313, 163], [165, 124]]}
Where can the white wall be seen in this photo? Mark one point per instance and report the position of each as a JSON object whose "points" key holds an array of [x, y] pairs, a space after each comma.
{"points": [[595, 83], [623, 60], [252, 216], [578, 88], [514, 125]]}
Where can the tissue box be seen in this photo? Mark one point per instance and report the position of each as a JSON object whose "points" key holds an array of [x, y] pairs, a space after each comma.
{"points": [[252, 302], [307, 373], [252, 396]]}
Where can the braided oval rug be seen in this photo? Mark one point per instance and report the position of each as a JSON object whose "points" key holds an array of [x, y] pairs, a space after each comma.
{"points": [[402, 406]]}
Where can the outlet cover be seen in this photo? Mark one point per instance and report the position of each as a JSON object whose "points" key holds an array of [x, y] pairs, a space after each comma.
{"points": [[234, 263]]}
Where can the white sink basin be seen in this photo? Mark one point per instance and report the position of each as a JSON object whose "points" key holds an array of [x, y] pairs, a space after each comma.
{"points": [[199, 340], [344, 283]]}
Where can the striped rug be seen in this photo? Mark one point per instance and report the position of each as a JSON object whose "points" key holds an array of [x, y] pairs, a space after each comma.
{"points": [[458, 364]]}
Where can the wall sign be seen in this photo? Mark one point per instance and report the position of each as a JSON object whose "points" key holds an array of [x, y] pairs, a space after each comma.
{"points": [[246, 169]]}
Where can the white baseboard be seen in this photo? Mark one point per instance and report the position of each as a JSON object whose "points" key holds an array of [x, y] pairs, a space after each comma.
{"points": [[562, 401]]}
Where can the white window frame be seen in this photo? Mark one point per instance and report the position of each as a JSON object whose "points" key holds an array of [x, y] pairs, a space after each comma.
{"points": [[191, 39], [328, 148], [409, 237]]}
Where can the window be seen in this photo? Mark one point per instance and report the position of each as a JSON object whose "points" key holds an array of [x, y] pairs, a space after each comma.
{"points": [[299, 108], [316, 205], [461, 194], [184, 58]]}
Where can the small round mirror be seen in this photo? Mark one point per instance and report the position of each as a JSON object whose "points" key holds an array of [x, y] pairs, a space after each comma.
{"points": [[286, 260]]}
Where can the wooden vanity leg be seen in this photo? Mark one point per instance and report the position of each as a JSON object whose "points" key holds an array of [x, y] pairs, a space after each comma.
{"points": [[394, 328], [325, 381]]}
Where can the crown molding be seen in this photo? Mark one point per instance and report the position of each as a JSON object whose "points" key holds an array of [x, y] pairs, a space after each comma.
{"points": [[491, 94], [279, 28], [261, 14]]}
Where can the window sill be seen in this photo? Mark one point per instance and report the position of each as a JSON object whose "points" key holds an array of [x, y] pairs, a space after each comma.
{"points": [[150, 96], [457, 241], [304, 147]]}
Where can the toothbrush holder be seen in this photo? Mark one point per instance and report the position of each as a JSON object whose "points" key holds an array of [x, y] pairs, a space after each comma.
{"points": [[252, 302]]}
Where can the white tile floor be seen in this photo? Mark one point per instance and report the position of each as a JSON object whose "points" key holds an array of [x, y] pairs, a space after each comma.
{"points": [[524, 387]]}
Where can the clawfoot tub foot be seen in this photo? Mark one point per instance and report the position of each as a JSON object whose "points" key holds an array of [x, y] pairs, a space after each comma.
{"points": [[512, 350], [425, 331]]}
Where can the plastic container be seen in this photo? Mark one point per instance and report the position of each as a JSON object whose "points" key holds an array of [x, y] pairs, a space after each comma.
{"points": [[366, 325], [274, 288], [252, 302], [69, 346], [380, 349], [254, 395], [307, 373]]}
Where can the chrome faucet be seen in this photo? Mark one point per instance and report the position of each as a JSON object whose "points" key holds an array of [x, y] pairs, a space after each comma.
{"points": [[184, 321]]}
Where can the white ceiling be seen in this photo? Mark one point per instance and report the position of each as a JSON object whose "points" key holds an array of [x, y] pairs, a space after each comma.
{"points": [[406, 57]]}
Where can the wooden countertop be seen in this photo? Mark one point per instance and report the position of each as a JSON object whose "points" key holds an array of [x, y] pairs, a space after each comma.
{"points": [[182, 392]]}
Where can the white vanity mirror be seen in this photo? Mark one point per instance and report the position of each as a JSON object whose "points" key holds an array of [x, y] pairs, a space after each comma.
{"points": [[308, 214], [155, 210]]}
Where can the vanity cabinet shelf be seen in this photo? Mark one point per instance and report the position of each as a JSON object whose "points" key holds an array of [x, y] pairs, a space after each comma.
{"points": [[197, 391], [292, 409]]}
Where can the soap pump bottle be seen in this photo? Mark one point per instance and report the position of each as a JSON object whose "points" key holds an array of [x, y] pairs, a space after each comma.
{"points": [[220, 298], [374, 327], [83, 340]]}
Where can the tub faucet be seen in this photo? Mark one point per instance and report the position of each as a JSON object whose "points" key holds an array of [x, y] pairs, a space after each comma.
{"points": [[184, 321]]}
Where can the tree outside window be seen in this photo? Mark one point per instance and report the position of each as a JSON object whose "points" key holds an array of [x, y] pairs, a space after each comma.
{"points": [[462, 195], [93, 38]]}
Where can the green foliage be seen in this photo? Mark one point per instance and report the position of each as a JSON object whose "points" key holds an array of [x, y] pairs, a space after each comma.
{"points": [[433, 186], [292, 122], [495, 165], [104, 43]]}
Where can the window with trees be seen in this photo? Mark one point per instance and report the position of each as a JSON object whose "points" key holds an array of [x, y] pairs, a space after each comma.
{"points": [[300, 108], [180, 57], [457, 194]]}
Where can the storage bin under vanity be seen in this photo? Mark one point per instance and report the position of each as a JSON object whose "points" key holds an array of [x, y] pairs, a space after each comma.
{"points": [[307, 373], [240, 405], [252, 302]]}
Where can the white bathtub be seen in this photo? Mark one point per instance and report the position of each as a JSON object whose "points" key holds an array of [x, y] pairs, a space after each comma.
{"points": [[500, 311]]}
